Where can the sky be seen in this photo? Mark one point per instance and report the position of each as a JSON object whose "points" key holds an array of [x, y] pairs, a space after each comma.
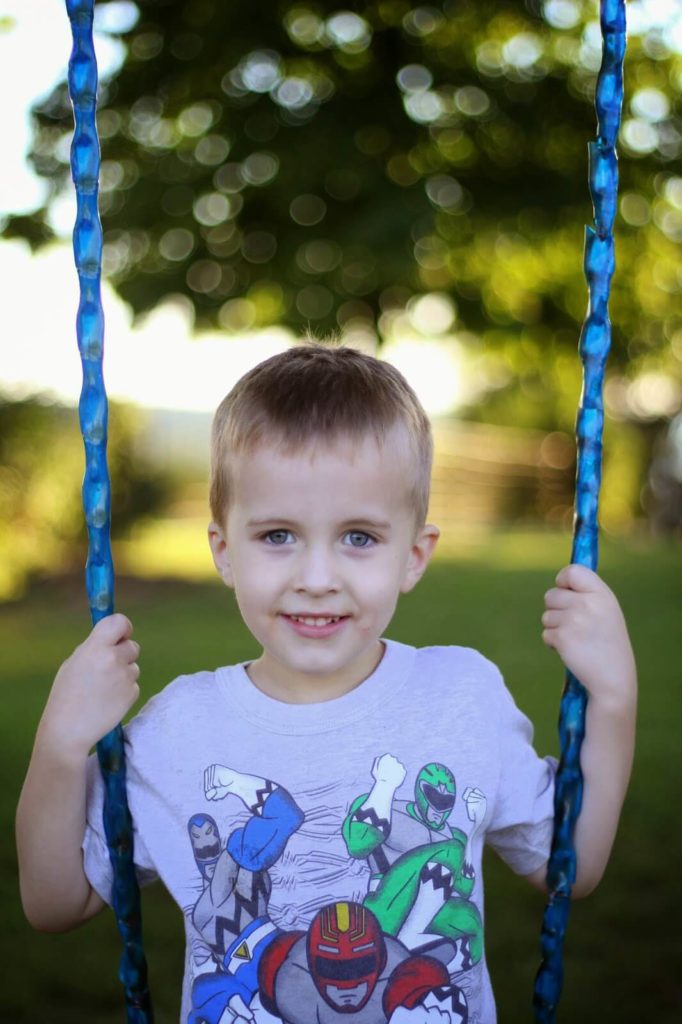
{"points": [[37, 318]]}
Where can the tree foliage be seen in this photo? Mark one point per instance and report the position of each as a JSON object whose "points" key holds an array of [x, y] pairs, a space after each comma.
{"points": [[41, 468], [300, 163]]}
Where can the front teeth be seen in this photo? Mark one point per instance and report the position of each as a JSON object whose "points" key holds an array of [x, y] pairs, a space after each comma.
{"points": [[310, 621]]}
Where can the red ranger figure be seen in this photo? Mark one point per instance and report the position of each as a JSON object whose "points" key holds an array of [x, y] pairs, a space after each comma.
{"points": [[346, 965]]}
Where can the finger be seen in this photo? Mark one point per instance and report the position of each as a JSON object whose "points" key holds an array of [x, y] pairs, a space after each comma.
{"points": [[559, 597], [578, 577], [113, 628], [550, 637], [467, 793], [552, 618], [128, 649]]}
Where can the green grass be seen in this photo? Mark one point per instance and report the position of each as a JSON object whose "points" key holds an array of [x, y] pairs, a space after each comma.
{"points": [[623, 947]]}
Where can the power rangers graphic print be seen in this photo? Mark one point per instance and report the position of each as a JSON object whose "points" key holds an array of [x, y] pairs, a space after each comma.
{"points": [[422, 876], [392, 958]]}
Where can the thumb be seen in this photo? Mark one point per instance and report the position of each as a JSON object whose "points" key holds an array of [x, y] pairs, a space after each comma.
{"points": [[113, 629]]}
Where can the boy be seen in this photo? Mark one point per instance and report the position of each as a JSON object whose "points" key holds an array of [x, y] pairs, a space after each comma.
{"points": [[319, 813]]}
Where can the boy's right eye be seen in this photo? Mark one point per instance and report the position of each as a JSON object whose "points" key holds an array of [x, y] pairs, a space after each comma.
{"points": [[277, 537]]}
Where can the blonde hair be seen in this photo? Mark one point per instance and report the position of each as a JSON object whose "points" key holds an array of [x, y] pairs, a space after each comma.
{"points": [[318, 392]]}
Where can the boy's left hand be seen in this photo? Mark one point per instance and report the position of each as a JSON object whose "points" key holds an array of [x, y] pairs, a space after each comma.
{"points": [[584, 623]]}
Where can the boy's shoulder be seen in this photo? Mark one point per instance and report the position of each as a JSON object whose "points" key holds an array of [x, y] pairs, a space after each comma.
{"points": [[461, 674], [466, 684], [466, 663], [187, 698]]}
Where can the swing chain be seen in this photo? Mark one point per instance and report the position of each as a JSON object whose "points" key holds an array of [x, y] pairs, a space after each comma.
{"points": [[595, 342], [93, 413]]}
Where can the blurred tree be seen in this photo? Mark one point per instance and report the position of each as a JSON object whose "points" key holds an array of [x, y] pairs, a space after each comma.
{"points": [[41, 469], [299, 163]]}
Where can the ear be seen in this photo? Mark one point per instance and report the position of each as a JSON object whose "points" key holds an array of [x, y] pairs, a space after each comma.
{"points": [[423, 547], [218, 544]]}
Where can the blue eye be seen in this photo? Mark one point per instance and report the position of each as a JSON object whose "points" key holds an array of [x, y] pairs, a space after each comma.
{"points": [[359, 539], [278, 537]]}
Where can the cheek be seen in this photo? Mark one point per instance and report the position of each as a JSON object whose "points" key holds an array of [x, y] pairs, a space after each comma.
{"points": [[249, 596], [379, 587], [255, 589], [250, 570], [388, 576]]}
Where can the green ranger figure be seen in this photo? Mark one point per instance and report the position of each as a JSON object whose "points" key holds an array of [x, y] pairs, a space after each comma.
{"points": [[422, 876]]}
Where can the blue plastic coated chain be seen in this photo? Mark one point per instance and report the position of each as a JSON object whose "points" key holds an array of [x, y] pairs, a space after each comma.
{"points": [[87, 247], [595, 341]]}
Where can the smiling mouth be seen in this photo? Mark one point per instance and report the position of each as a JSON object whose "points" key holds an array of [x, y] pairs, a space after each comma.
{"points": [[316, 620]]}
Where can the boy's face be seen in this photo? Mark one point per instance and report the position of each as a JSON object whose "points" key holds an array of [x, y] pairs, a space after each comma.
{"points": [[317, 546]]}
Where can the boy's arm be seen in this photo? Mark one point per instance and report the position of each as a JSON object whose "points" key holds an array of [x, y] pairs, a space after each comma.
{"points": [[585, 625], [91, 693]]}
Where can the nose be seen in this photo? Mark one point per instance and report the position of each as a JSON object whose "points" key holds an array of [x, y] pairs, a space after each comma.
{"points": [[316, 571]]}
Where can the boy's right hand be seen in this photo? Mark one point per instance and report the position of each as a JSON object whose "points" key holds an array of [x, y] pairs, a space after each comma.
{"points": [[94, 688]]}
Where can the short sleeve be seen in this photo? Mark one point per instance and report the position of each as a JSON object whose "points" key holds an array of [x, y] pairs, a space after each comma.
{"points": [[96, 862], [522, 821]]}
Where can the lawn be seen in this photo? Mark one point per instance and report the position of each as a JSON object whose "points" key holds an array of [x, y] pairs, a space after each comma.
{"points": [[623, 949]]}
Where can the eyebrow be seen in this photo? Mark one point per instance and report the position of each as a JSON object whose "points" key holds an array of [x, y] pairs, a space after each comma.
{"points": [[374, 524]]}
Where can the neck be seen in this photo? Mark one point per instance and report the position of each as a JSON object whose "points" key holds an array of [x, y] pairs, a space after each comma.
{"points": [[276, 681]]}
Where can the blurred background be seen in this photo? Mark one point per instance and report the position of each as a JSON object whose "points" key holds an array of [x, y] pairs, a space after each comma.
{"points": [[411, 177]]}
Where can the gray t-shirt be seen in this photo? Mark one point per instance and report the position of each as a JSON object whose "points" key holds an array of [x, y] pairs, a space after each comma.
{"points": [[264, 819]]}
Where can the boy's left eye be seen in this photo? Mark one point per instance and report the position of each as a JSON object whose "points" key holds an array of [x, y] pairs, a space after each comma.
{"points": [[359, 539]]}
